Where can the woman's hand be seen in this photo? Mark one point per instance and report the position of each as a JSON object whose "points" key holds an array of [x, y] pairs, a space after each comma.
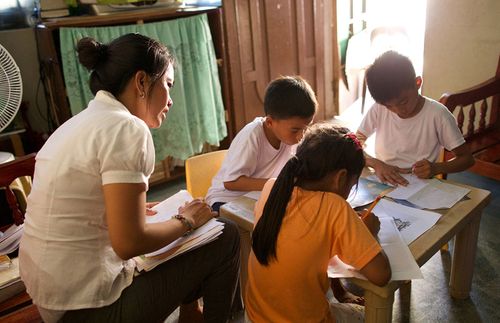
{"points": [[149, 208], [390, 174], [371, 221], [423, 169], [197, 212]]}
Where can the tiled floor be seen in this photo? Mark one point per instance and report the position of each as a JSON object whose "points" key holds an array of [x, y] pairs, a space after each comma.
{"points": [[430, 300]]}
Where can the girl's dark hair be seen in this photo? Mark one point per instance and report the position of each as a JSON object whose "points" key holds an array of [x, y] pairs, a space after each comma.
{"points": [[324, 149], [290, 96], [112, 65], [389, 75]]}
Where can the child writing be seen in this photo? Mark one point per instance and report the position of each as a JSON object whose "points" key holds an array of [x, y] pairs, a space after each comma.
{"points": [[303, 220], [263, 146], [410, 129]]}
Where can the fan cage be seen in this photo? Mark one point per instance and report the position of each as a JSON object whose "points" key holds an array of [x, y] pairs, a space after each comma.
{"points": [[11, 88]]}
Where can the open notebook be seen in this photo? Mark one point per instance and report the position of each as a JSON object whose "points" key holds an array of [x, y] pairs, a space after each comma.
{"points": [[202, 235]]}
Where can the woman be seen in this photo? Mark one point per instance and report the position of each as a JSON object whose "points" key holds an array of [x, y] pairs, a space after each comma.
{"points": [[86, 213]]}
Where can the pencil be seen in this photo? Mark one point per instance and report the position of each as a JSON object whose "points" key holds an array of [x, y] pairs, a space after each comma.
{"points": [[372, 206]]}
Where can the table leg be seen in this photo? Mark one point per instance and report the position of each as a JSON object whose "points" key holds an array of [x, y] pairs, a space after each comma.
{"points": [[464, 255], [377, 308]]}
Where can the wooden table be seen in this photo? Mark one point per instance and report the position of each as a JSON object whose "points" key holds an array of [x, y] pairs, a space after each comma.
{"points": [[461, 221]]}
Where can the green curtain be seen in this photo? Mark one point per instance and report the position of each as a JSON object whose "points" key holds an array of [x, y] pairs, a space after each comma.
{"points": [[197, 116]]}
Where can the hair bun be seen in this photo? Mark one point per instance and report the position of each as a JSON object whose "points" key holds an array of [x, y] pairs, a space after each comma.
{"points": [[91, 52]]}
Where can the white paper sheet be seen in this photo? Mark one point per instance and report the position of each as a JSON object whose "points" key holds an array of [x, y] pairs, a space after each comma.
{"points": [[403, 265], [437, 195], [169, 207], [411, 222], [415, 184], [427, 193], [254, 195]]}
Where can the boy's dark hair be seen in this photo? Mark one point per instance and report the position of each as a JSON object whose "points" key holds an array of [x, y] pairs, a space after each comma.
{"points": [[389, 75], [112, 65], [289, 96], [324, 149]]}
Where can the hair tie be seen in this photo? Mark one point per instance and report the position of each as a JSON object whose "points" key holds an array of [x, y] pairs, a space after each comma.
{"points": [[355, 140]]}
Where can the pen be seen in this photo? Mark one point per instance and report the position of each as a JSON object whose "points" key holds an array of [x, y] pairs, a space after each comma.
{"points": [[372, 206]]}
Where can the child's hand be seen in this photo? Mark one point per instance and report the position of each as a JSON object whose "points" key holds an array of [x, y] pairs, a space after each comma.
{"points": [[372, 222], [423, 169], [391, 174], [149, 210]]}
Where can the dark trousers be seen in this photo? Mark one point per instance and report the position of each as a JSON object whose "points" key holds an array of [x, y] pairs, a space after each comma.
{"points": [[210, 271]]}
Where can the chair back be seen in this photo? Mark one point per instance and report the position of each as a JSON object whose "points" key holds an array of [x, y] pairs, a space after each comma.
{"points": [[200, 170], [476, 108], [9, 172]]}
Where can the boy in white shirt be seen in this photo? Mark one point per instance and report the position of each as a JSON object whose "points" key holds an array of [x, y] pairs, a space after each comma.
{"points": [[262, 147], [410, 129]]}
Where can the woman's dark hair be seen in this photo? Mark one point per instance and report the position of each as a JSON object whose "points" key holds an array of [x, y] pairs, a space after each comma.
{"points": [[290, 96], [112, 65], [389, 75], [324, 149]]}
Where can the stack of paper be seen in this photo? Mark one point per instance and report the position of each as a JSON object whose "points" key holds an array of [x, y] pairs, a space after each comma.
{"points": [[202, 235], [10, 275], [10, 239]]}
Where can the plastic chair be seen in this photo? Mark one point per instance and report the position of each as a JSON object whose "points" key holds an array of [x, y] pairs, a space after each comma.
{"points": [[200, 170]]}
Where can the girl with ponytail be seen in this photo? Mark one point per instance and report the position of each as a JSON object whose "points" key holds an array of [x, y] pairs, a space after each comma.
{"points": [[303, 220]]}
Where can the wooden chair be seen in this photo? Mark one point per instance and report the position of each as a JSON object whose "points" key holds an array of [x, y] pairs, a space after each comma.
{"points": [[200, 170], [477, 113], [18, 307]]}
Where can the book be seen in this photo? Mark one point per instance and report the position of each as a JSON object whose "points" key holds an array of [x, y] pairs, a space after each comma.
{"points": [[199, 237], [55, 13], [53, 4]]}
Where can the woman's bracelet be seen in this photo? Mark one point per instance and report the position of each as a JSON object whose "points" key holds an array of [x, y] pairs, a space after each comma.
{"points": [[185, 222]]}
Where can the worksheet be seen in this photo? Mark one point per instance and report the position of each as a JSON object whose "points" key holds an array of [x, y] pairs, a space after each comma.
{"points": [[403, 265]]}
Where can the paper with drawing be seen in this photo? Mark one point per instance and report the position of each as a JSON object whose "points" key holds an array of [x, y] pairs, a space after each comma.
{"points": [[411, 222]]}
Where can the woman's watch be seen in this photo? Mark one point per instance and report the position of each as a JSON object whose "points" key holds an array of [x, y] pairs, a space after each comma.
{"points": [[186, 223]]}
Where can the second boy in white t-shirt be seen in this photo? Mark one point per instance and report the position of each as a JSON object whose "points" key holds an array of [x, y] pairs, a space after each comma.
{"points": [[410, 129], [263, 146]]}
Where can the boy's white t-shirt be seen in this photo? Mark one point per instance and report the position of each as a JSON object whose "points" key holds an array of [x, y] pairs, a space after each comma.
{"points": [[402, 142], [250, 154]]}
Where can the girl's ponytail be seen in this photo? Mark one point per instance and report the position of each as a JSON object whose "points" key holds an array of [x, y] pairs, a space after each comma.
{"points": [[265, 233]]}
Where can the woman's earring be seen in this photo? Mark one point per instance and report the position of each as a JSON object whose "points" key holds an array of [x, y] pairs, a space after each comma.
{"points": [[142, 95]]}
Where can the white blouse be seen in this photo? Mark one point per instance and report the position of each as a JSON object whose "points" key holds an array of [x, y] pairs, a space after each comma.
{"points": [[66, 258]]}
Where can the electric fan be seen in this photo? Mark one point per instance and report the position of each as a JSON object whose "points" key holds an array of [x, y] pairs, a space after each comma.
{"points": [[11, 88], [11, 93]]}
